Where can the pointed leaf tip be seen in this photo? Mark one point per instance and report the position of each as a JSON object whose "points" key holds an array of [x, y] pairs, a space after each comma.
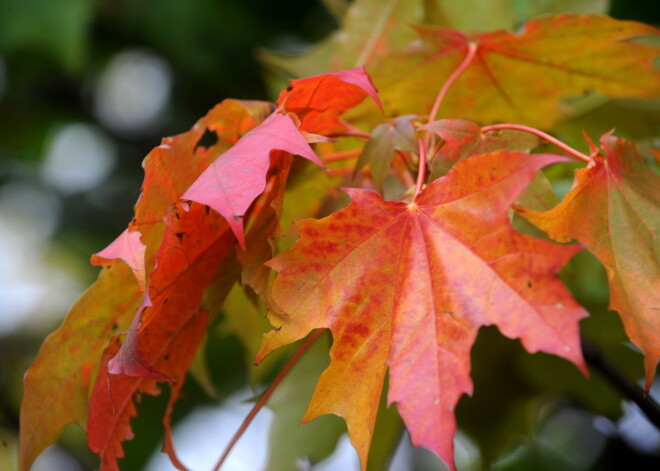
{"points": [[238, 176], [129, 248], [358, 76], [319, 100]]}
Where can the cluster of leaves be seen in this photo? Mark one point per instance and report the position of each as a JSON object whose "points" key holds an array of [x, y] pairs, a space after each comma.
{"points": [[404, 283]]}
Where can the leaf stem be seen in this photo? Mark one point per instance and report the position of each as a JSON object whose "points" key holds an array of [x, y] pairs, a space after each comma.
{"points": [[547, 137], [343, 155], [626, 387], [358, 134], [429, 139], [472, 51], [267, 393], [421, 171]]}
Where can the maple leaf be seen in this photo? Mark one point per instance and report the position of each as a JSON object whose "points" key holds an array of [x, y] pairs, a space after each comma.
{"points": [[238, 176], [319, 100], [520, 76], [613, 209], [408, 285], [112, 401], [166, 330]]}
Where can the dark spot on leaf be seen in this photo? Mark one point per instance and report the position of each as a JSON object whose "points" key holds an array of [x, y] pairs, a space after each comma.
{"points": [[108, 266], [207, 209], [529, 284], [166, 357], [165, 301], [289, 88], [180, 236], [237, 217]]}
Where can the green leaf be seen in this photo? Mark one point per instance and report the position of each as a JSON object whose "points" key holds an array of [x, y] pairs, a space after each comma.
{"points": [[386, 138]]}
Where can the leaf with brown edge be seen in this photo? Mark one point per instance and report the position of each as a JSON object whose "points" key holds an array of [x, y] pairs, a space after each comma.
{"points": [[614, 209], [238, 176], [318, 101], [407, 286], [159, 345], [57, 384], [520, 77]]}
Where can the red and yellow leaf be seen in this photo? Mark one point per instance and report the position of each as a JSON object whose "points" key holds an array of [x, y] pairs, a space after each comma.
{"points": [[56, 386], [69, 359], [112, 403], [407, 286], [520, 77], [614, 209], [196, 243]]}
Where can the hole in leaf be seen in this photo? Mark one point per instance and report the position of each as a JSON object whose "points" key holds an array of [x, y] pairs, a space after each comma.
{"points": [[208, 139]]}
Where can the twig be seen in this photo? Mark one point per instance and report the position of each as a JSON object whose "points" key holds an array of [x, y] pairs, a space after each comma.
{"points": [[625, 386], [267, 393]]}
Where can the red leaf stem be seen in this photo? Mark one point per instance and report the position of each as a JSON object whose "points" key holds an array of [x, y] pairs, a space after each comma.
{"points": [[547, 137]]}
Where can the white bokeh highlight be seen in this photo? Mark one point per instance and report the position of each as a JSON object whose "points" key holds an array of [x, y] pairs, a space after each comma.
{"points": [[132, 92], [80, 157]]}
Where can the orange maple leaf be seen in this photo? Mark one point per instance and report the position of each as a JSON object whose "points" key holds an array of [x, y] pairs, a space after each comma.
{"points": [[614, 209]]}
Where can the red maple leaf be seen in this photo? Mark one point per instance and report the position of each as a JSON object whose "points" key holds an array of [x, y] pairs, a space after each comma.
{"points": [[407, 286]]}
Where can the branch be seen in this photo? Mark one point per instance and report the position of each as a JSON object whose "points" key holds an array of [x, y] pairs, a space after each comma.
{"points": [[624, 385], [267, 393]]}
